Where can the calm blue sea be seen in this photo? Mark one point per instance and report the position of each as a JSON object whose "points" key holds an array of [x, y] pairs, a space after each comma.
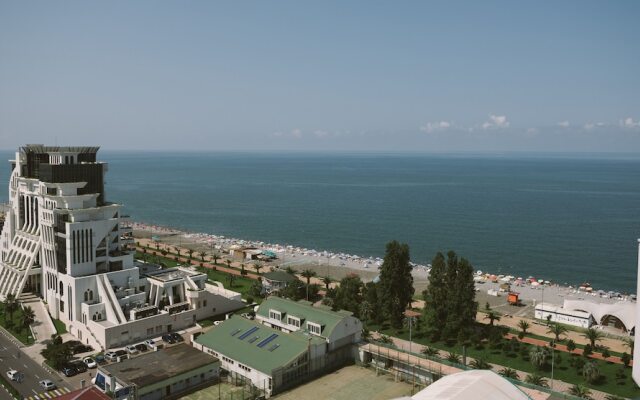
{"points": [[563, 218]]}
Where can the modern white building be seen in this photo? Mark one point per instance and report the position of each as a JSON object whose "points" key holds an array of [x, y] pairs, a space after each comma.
{"points": [[575, 317], [636, 349], [63, 241]]}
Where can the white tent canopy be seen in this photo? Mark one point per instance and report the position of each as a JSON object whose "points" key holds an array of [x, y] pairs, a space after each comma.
{"points": [[472, 385], [622, 310]]}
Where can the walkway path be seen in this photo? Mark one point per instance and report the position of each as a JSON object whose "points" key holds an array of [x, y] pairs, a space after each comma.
{"points": [[43, 326]]}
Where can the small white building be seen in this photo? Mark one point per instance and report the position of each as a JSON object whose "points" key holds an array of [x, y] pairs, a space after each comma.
{"points": [[562, 315]]}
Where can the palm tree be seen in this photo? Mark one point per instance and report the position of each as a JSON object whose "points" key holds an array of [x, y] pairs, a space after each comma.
{"points": [[590, 371], [593, 336], [242, 271], [557, 330], [232, 277], [203, 254], [571, 345], [190, 252], [479, 364], [28, 316], [538, 356], [157, 246], [537, 380], [628, 342], [580, 391], [228, 262], [216, 257], [327, 281], [307, 273], [523, 325], [178, 250], [509, 373], [11, 305], [492, 316], [258, 266], [454, 358], [430, 351]]}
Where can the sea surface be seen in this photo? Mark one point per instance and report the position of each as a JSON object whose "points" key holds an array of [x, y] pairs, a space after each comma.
{"points": [[564, 218]]}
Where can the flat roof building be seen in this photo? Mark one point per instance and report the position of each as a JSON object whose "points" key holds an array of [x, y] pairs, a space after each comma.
{"points": [[165, 373]]}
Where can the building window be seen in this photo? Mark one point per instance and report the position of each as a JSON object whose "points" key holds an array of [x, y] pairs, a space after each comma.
{"points": [[314, 328], [293, 321], [204, 303], [277, 315], [61, 306]]}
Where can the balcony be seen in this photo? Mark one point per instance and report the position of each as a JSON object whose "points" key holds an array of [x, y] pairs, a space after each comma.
{"points": [[178, 307]]}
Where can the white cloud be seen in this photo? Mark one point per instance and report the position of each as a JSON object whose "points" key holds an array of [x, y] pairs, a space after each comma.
{"points": [[532, 131], [564, 124], [296, 133], [496, 121], [436, 126], [277, 134], [592, 125], [629, 123], [320, 133]]}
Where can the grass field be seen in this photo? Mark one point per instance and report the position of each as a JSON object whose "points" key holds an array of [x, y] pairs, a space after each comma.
{"points": [[20, 332], [349, 383]]}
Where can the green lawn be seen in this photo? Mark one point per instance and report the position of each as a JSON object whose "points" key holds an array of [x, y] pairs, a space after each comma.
{"points": [[60, 326], [562, 370], [21, 333]]}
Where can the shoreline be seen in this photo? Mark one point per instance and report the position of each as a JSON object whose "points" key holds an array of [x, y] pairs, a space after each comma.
{"points": [[367, 267]]}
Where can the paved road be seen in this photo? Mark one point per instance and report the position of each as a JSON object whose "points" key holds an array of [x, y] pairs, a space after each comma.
{"points": [[11, 357]]}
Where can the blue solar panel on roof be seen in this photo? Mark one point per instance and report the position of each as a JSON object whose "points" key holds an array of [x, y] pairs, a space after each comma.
{"points": [[247, 333], [253, 339], [267, 340]]}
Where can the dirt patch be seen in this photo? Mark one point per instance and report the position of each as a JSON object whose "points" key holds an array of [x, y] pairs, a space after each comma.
{"points": [[350, 383]]}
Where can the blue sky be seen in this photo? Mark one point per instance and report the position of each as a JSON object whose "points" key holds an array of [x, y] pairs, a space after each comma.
{"points": [[301, 75]]}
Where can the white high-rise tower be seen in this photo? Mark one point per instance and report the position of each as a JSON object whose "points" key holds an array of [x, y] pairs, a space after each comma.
{"points": [[64, 242]]}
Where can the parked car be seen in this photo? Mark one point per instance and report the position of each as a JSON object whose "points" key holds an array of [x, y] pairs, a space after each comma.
{"points": [[47, 384], [69, 370], [132, 349], [79, 366], [90, 362], [142, 347], [111, 356], [100, 359], [120, 353], [167, 338], [150, 343], [15, 376], [177, 337]]}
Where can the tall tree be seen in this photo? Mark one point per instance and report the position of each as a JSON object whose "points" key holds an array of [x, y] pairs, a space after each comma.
{"points": [[461, 305], [372, 297], [396, 282], [523, 325], [435, 297], [349, 294], [557, 330]]}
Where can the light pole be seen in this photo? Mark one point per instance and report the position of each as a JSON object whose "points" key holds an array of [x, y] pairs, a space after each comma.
{"points": [[553, 352]]}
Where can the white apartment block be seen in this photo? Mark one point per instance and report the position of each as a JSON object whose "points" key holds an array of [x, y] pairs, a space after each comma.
{"points": [[63, 241]]}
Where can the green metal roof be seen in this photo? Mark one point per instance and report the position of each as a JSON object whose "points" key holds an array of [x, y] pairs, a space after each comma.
{"points": [[279, 276], [240, 339], [321, 315]]}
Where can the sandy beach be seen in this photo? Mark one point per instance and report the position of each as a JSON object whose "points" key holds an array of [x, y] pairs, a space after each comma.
{"points": [[338, 265]]}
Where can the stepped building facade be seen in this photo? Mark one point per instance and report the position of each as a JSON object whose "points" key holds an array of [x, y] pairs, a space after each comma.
{"points": [[64, 242]]}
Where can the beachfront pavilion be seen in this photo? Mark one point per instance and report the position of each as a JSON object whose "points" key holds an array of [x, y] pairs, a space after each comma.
{"points": [[276, 280], [470, 385], [620, 315]]}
